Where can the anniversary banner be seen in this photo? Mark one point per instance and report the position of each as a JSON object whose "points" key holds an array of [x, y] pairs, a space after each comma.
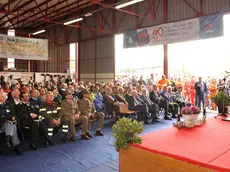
{"points": [[23, 48], [199, 28]]}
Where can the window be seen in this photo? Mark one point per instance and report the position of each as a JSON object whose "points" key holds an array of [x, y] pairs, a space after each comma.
{"points": [[73, 59], [11, 61], [141, 61]]}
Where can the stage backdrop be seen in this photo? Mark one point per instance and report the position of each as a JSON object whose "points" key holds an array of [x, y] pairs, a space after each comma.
{"points": [[199, 28], [23, 48]]}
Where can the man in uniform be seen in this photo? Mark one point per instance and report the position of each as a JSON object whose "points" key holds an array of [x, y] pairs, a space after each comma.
{"points": [[29, 117], [51, 111], [71, 111], [10, 124], [87, 109]]}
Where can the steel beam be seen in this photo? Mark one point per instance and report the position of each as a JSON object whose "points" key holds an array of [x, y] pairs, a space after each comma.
{"points": [[121, 10], [193, 8], [60, 12], [147, 12], [58, 23], [19, 7], [42, 4], [165, 16]]}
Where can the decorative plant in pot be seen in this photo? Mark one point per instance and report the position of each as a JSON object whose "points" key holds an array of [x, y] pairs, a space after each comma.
{"points": [[221, 100], [125, 132], [190, 114]]}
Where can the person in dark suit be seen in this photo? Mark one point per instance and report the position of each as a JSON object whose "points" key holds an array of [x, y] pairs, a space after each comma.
{"points": [[111, 104], [201, 92], [29, 117], [135, 103], [152, 106], [157, 98], [68, 80], [15, 99], [168, 95]]}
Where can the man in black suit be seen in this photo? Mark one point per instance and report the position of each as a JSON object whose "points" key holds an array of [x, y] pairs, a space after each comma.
{"points": [[29, 117], [152, 106], [135, 103], [111, 104], [201, 91], [157, 99]]}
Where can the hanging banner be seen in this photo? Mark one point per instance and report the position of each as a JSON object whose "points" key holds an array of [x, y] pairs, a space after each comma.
{"points": [[23, 48], [130, 40], [169, 33], [182, 31], [211, 26]]}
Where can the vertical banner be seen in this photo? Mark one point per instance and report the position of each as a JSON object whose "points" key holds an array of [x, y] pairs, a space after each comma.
{"points": [[130, 39], [211, 26]]}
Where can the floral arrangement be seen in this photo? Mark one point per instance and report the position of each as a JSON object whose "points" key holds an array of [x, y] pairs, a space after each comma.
{"points": [[190, 110]]}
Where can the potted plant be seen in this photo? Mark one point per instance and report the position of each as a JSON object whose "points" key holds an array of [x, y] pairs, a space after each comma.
{"points": [[190, 114], [125, 132], [221, 100]]}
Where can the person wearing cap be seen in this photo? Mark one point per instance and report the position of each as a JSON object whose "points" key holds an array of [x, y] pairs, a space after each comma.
{"points": [[51, 111], [87, 109], [70, 110]]}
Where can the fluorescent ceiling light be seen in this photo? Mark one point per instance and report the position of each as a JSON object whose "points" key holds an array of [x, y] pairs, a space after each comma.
{"points": [[88, 14], [128, 4], [38, 32], [73, 21]]}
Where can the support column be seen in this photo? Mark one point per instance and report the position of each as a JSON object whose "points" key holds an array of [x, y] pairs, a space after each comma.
{"points": [[28, 61], [78, 61], [79, 56], [165, 15], [95, 60], [166, 60]]}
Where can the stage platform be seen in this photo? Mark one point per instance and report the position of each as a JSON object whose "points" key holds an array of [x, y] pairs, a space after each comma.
{"points": [[200, 149]]}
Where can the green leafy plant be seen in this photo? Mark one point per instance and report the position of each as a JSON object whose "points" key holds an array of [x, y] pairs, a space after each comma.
{"points": [[221, 98], [125, 132]]}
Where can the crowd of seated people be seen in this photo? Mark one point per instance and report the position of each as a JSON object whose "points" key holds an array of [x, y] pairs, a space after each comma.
{"points": [[42, 109]]}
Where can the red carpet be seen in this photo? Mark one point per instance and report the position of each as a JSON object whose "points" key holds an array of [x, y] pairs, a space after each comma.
{"points": [[208, 145]]}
